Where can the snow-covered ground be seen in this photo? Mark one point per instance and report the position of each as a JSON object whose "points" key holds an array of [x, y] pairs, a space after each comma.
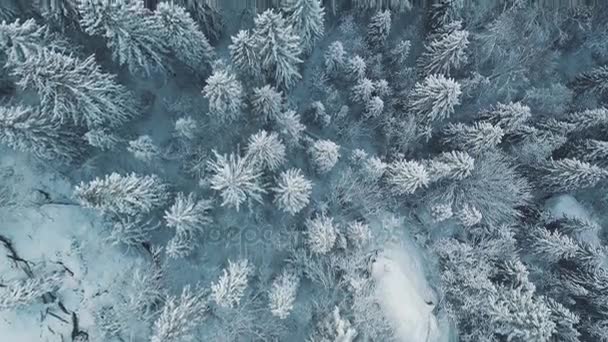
{"points": [[52, 237], [406, 297]]}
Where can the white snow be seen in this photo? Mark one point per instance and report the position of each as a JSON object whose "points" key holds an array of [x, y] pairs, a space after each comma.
{"points": [[405, 295]]}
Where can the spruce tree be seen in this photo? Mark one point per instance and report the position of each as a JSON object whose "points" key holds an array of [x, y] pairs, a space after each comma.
{"points": [[307, 19], [278, 47]]}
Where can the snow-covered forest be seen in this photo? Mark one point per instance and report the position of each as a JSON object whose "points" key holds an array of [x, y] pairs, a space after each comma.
{"points": [[303, 170]]}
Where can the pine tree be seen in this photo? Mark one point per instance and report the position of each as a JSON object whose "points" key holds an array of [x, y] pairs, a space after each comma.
{"points": [[102, 139], [405, 177], [307, 19], [236, 179], [553, 246], [325, 155], [130, 194], [454, 165], [594, 150], [225, 95], [446, 51], [266, 151], [19, 293], [476, 138], [469, 216], [188, 216], [292, 191], [267, 102], [588, 118], [379, 28], [143, 148], [518, 315], [595, 81], [509, 116], [135, 37], [131, 231], [441, 212], [27, 129], [358, 234], [244, 55], [356, 67], [60, 14], [283, 294], [186, 128], [180, 316], [20, 40], [76, 91], [400, 52], [289, 125], [362, 91], [374, 107], [435, 98], [278, 48], [321, 234], [572, 174], [182, 35], [394, 5], [230, 287], [335, 58]]}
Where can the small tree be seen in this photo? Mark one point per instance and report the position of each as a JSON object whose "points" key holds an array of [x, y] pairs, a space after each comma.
{"points": [[362, 91], [225, 95], [188, 216], [356, 67], [446, 51], [379, 28], [469, 216], [435, 98], [283, 293], [321, 234], [289, 125], [76, 91], [130, 194], [405, 177], [135, 37], [358, 234], [182, 35], [266, 150], [19, 293], [230, 287], [307, 19], [374, 107], [325, 155], [292, 192], [278, 47], [102, 139], [180, 316], [236, 179], [26, 129], [143, 148], [335, 58], [267, 102]]}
